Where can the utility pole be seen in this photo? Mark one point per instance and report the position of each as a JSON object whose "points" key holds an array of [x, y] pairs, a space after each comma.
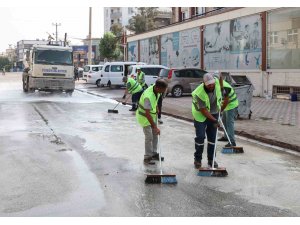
{"points": [[56, 25], [90, 38]]}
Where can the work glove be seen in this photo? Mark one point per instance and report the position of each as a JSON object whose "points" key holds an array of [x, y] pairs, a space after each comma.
{"points": [[124, 96]]}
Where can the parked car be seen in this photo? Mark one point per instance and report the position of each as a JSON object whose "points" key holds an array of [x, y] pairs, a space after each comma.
{"points": [[179, 79], [92, 73], [151, 72], [113, 72]]}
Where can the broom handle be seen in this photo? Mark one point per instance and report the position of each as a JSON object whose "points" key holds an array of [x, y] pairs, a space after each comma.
{"points": [[215, 146], [225, 131], [159, 149], [120, 102]]}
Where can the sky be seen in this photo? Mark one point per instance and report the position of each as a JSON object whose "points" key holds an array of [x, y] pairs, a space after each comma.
{"points": [[21, 19], [18, 23]]}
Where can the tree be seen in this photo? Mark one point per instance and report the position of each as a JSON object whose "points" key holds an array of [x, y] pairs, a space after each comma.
{"points": [[144, 20], [109, 46], [117, 30], [4, 62]]}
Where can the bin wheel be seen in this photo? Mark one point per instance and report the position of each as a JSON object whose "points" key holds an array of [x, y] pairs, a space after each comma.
{"points": [[250, 114]]}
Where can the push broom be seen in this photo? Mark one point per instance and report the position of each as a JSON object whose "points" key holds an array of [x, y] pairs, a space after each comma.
{"points": [[114, 110], [160, 178], [231, 149], [212, 171]]}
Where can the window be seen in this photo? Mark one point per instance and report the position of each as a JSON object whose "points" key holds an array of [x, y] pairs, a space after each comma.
{"points": [[86, 69], [274, 37], [286, 53], [106, 69], [164, 73], [292, 35], [199, 73], [95, 68], [146, 71], [116, 68]]}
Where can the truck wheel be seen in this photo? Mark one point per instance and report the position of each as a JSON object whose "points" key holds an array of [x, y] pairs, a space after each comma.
{"points": [[108, 83], [24, 86], [69, 93]]}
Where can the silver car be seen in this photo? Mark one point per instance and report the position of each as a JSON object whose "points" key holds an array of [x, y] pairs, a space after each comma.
{"points": [[179, 79]]}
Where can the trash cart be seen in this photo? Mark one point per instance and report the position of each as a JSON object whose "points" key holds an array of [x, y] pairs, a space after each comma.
{"points": [[244, 92]]}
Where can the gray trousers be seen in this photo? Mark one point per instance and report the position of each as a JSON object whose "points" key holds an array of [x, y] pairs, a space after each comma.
{"points": [[228, 120], [151, 140]]}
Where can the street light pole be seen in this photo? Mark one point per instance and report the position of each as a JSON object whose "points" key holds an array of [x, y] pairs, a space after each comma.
{"points": [[56, 25], [90, 38]]}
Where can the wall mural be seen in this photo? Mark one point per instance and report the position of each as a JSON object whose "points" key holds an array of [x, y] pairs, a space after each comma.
{"points": [[149, 50], [234, 44], [181, 49], [133, 51]]}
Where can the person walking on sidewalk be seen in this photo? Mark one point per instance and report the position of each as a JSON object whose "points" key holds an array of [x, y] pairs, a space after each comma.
{"points": [[3, 71], [140, 77], [205, 109], [230, 112], [135, 89], [147, 117]]}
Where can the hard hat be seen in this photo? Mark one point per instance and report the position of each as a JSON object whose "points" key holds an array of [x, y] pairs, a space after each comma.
{"points": [[138, 68]]}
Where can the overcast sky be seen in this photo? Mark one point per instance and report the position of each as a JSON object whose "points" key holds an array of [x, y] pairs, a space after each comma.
{"points": [[31, 23]]}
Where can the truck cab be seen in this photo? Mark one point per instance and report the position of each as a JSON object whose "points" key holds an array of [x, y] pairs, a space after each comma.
{"points": [[49, 68]]}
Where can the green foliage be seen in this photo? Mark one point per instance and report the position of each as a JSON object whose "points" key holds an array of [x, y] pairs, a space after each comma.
{"points": [[4, 62], [117, 30], [144, 20], [109, 46]]}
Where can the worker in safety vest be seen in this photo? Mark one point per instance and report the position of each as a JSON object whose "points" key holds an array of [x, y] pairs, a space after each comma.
{"points": [[147, 117], [135, 89], [230, 113], [140, 77], [207, 102]]}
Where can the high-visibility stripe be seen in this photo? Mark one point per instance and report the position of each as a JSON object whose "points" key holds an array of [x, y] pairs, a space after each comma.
{"points": [[211, 143], [199, 144]]}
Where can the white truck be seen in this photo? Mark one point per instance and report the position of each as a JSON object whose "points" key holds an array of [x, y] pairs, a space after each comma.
{"points": [[49, 68]]}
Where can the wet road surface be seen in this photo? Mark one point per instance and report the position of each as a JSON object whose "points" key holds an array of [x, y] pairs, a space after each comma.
{"points": [[66, 156]]}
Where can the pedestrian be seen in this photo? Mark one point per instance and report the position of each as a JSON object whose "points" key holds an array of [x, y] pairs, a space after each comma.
{"points": [[230, 112], [147, 117], [3, 71], [135, 89], [205, 109], [76, 73], [140, 77]]}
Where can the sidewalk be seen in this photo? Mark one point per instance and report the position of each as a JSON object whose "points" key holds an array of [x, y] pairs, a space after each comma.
{"points": [[275, 122]]}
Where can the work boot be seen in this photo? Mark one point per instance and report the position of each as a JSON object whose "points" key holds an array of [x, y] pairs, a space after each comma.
{"points": [[156, 157], [210, 164], [230, 145], [149, 161], [197, 164], [160, 121], [223, 139]]}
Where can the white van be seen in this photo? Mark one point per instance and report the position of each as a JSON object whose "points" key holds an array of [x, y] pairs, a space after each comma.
{"points": [[151, 72], [113, 72], [92, 73]]}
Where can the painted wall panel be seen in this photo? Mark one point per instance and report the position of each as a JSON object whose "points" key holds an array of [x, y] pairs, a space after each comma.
{"points": [[181, 49]]}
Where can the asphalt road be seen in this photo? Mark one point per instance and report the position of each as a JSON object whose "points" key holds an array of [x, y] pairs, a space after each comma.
{"points": [[66, 156]]}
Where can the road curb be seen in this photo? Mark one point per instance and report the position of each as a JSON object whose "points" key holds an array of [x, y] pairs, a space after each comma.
{"points": [[247, 135]]}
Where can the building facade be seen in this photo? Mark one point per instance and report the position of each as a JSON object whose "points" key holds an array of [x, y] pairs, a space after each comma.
{"points": [[261, 43], [117, 15]]}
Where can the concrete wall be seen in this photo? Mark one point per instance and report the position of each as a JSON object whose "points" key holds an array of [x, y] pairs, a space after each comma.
{"points": [[262, 80]]}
